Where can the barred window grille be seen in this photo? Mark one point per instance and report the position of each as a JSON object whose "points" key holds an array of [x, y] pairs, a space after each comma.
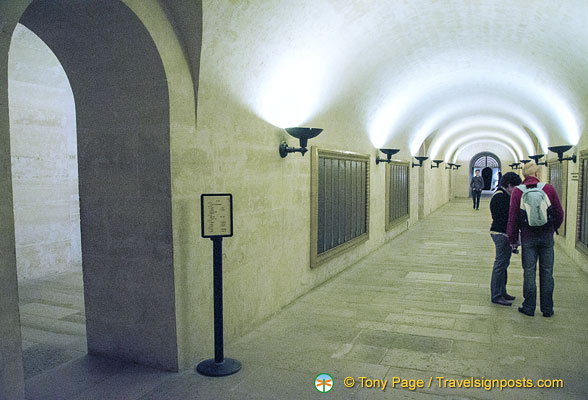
{"points": [[340, 202], [558, 179], [397, 193], [486, 161], [582, 237]]}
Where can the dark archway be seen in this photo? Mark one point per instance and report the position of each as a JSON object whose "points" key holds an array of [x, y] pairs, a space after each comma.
{"points": [[122, 112], [487, 176]]}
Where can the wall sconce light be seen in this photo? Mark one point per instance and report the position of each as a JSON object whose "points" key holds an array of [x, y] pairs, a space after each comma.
{"points": [[560, 150], [437, 162], [449, 165], [301, 133], [525, 161], [389, 153], [515, 165], [456, 166], [536, 158], [420, 159]]}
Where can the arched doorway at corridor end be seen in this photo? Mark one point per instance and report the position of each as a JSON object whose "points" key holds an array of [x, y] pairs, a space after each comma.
{"points": [[490, 169]]}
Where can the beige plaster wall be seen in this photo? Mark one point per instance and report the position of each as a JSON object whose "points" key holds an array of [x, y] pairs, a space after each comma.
{"points": [[437, 186], [568, 242], [266, 264], [190, 159], [44, 160]]}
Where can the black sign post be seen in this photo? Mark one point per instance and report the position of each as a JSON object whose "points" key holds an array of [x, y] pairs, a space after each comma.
{"points": [[217, 222]]}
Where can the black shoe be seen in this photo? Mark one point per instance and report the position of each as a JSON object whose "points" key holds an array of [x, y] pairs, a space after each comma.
{"points": [[509, 297], [502, 301], [548, 314], [529, 313]]}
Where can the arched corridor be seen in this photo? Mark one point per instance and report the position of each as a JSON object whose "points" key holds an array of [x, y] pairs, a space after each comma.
{"points": [[418, 307], [355, 249]]}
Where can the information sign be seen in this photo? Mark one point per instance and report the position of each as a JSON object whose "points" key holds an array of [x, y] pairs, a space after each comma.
{"points": [[217, 215]]}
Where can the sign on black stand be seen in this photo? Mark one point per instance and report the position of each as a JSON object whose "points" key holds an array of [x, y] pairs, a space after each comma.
{"points": [[217, 222]]}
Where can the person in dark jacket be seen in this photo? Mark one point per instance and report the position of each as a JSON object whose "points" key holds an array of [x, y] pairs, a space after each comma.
{"points": [[477, 184], [536, 243], [499, 207]]}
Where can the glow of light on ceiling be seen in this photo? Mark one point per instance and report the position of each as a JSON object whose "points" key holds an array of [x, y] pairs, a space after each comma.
{"points": [[481, 135], [567, 120], [293, 93], [481, 123], [489, 141], [478, 105], [389, 115], [509, 84], [393, 109]]}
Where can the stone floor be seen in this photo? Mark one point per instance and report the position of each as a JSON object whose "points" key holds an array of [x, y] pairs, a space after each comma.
{"points": [[417, 308], [53, 324]]}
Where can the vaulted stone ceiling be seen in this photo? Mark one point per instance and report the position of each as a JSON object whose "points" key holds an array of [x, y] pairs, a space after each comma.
{"points": [[403, 72]]}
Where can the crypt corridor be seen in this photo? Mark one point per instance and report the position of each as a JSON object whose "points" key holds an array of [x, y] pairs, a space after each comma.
{"points": [[346, 133], [418, 307]]}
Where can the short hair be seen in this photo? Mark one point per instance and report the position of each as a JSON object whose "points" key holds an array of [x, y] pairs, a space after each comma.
{"points": [[530, 168], [510, 178], [477, 170]]}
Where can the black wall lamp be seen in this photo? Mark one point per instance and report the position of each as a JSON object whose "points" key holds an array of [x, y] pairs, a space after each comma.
{"points": [[525, 161], [515, 165], [437, 162], [562, 149], [420, 159], [389, 153], [449, 165], [536, 158], [456, 166], [301, 133]]}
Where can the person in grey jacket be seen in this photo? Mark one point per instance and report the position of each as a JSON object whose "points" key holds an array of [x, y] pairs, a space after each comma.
{"points": [[477, 184]]}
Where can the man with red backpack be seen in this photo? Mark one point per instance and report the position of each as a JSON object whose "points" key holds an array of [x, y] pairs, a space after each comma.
{"points": [[536, 211]]}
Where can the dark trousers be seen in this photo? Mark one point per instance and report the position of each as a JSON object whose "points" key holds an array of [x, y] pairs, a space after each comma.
{"points": [[541, 249], [501, 263], [476, 197]]}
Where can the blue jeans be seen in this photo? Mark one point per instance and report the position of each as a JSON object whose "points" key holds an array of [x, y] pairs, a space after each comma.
{"points": [[476, 197], [501, 263], [541, 248]]}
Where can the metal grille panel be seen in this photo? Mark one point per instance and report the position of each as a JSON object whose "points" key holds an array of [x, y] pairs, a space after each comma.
{"points": [[583, 206], [342, 201], [558, 179], [399, 192]]}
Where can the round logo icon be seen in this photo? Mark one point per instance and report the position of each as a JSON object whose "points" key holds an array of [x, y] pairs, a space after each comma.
{"points": [[323, 383]]}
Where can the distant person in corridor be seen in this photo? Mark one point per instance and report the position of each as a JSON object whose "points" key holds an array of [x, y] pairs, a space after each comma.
{"points": [[477, 184], [536, 240], [499, 206]]}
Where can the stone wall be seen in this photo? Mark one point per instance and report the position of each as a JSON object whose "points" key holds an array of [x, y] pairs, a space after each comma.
{"points": [[568, 242], [44, 160], [266, 264], [122, 112], [11, 367]]}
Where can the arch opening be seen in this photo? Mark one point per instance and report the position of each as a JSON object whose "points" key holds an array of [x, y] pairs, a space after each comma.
{"points": [[123, 144]]}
